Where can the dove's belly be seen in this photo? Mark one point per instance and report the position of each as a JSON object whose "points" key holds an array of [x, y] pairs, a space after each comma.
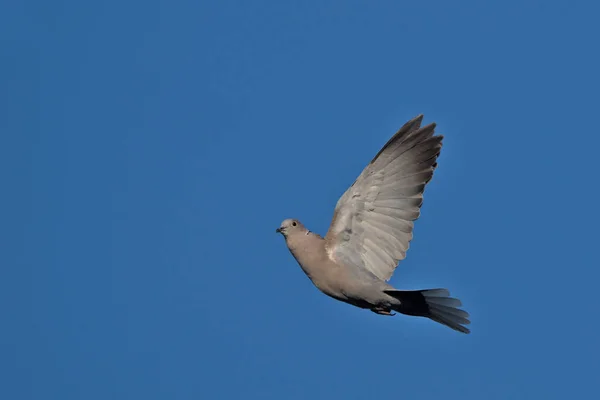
{"points": [[343, 285]]}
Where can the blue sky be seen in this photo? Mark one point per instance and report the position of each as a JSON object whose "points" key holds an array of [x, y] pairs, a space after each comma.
{"points": [[149, 149]]}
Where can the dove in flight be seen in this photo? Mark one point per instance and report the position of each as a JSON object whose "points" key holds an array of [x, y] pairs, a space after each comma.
{"points": [[371, 230]]}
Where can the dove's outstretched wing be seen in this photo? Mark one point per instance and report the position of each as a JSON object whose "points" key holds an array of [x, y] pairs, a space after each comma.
{"points": [[373, 220]]}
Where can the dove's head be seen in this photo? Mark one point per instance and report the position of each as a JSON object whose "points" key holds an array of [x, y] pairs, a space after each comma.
{"points": [[291, 226]]}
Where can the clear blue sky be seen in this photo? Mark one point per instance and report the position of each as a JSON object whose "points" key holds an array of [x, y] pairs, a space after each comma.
{"points": [[149, 149]]}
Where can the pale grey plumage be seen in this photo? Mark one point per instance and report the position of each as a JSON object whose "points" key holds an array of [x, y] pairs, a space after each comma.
{"points": [[371, 231]]}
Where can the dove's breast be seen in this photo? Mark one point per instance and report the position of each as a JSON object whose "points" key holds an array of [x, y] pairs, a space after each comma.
{"points": [[338, 281]]}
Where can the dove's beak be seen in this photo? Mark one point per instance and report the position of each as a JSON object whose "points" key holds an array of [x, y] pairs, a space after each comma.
{"points": [[278, 230]]}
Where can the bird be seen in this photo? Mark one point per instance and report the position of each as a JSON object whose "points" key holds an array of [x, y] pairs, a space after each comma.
{"points": [[371, 230]]}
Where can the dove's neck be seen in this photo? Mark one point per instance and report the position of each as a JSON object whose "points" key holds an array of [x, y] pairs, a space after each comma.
{"points": [[308, 249]]}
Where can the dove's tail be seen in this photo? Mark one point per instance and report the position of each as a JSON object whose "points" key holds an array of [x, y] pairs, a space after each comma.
{"points": [[435, 304]]}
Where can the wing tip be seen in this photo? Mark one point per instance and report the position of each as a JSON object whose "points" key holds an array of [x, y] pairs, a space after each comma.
{"points": [[418, 118], [406, 129]]}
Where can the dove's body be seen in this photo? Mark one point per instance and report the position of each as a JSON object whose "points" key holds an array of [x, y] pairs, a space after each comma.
{"points": [[371, 230], [342, 282]]}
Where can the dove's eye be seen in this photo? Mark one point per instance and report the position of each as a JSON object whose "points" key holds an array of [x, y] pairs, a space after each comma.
{"points": [[294, 223]]}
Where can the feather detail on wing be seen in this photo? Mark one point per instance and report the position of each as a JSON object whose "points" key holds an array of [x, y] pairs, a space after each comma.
{"points": [[373, 220]]}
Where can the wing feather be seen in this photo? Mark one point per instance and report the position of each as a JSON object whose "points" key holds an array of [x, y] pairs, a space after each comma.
{"points": [[373, 220]]}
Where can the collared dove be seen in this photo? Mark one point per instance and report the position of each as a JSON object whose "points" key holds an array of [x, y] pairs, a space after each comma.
{"points": [[371, 230]]}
